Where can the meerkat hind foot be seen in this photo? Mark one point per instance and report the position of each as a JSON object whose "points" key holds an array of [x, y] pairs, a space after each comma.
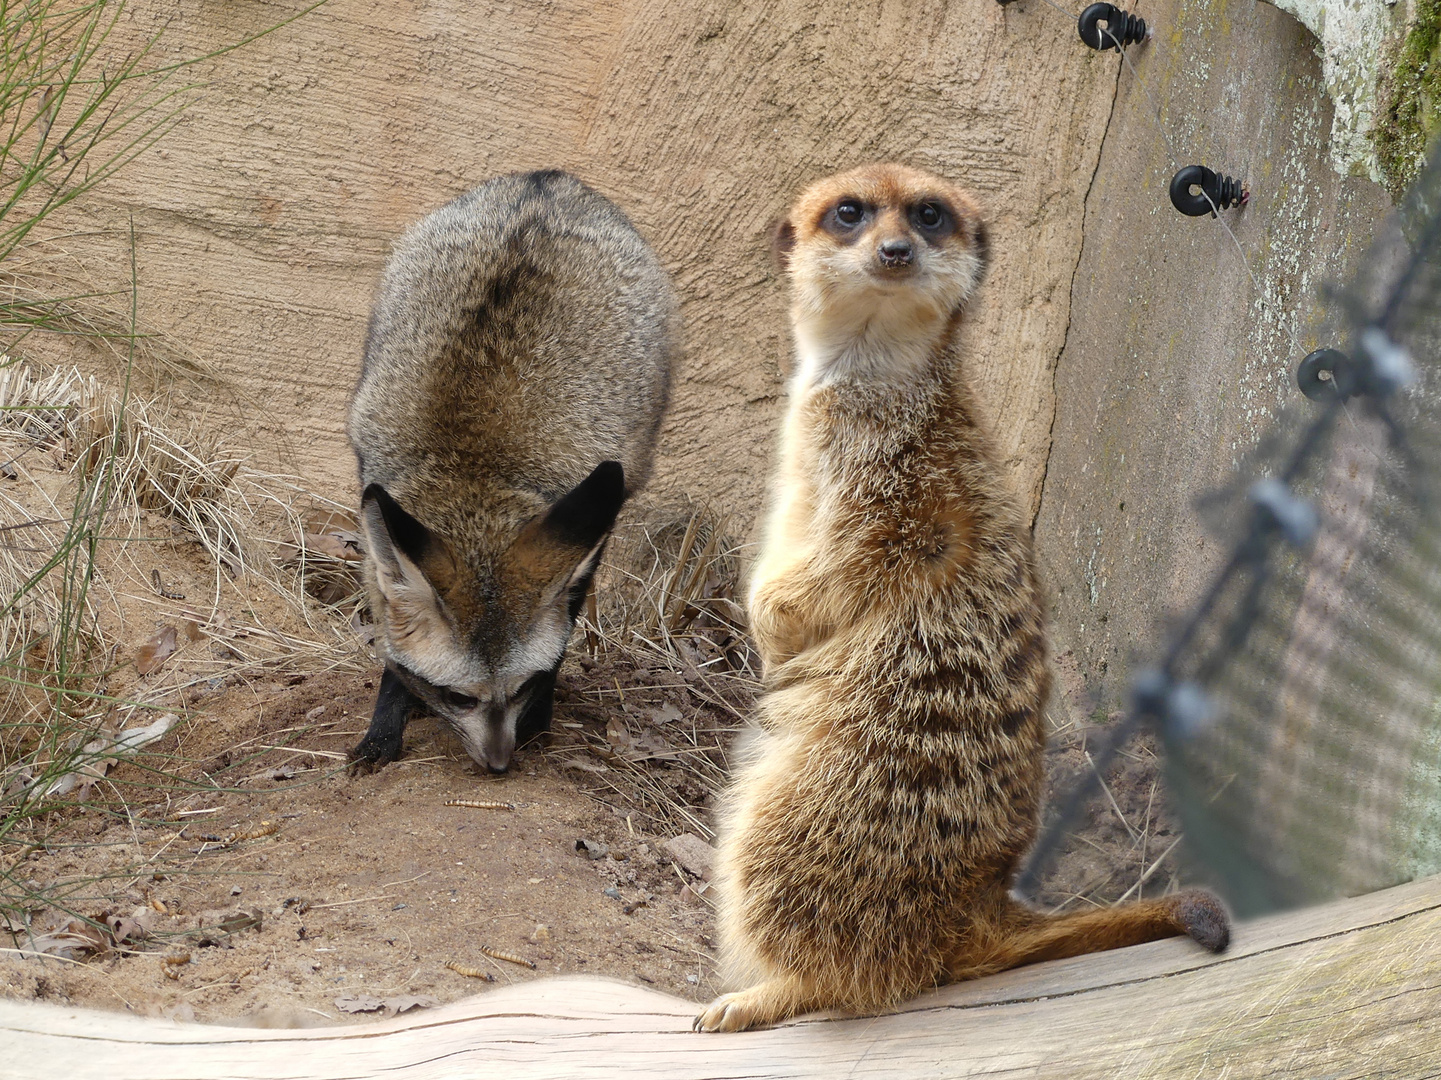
{"points": [[757, 1006]]}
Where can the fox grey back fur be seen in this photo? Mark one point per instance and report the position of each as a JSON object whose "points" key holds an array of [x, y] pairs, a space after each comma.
{"points": [[521, 339]]}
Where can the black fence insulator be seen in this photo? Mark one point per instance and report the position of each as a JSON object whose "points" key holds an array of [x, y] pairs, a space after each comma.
{"points": [[1379, 369], [1224, 191], [1122, 28], [1316, 374]]}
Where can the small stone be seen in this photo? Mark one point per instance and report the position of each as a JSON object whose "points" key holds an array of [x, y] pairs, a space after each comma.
{"points": [[692, 853], [540, 933], [591, 850], [694, 980], [236, 890], [612, 892]]}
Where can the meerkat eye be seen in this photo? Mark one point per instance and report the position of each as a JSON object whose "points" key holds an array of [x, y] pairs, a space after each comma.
{"points": [[456, 700], [929, 216], [849, 212]]}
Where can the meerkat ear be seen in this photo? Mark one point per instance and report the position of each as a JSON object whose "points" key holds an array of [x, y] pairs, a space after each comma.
{"points": [[783, 239]]}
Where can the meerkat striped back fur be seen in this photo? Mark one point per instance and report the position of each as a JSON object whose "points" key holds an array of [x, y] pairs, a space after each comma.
{"points": [[869, 839]]}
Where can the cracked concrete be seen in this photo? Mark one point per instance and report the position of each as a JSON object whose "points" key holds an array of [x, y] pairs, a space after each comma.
{"points": [[1174, 359]]}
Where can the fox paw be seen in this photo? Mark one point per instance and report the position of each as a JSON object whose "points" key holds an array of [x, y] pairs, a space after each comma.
{"points": [[372, 755]]}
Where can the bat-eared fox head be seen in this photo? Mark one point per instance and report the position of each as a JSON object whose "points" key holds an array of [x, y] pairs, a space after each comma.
{"points": [[479, 639]]}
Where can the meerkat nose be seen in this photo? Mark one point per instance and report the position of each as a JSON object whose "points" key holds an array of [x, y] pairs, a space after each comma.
{"points": [[896, 251]]}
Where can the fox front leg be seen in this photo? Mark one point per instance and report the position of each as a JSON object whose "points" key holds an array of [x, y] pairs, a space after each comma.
{"points": [[394, 705]]}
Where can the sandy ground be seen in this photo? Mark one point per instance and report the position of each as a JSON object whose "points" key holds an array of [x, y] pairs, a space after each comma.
{"points": [[369, 886]]}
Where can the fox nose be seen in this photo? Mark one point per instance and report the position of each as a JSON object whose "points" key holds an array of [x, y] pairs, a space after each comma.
{"points": [[895, 252], [499, 743]]}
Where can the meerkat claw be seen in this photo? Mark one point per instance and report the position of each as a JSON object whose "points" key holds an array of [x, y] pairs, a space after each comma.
{"points": [[725, 1013]]}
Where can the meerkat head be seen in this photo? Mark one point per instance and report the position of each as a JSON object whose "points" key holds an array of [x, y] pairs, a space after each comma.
{"points": [[885, 251]]}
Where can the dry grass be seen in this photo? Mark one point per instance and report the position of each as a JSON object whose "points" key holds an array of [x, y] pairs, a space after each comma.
{"points": [[88, 474], [666, 673]]}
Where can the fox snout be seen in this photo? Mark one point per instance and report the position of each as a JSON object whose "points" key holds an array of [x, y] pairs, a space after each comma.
{"points": [[494, 744]]}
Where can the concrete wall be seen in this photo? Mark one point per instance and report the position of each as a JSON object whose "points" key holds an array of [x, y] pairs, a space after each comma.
{"points": [[264, 219]]}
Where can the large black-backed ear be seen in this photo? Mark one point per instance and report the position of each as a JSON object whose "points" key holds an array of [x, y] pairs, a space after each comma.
{"points": [[400, 544], [586, 513], [783, 241]]}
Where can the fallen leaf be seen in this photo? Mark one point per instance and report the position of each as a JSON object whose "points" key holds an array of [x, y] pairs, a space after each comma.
{"points": [[338, 544], [394, 1006], [76, 936], [359, 1003], [156, 651], [619, 736], [96, 756], [132, 739]]}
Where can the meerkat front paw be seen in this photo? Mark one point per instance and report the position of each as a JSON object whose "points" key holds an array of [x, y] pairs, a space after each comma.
{"points": [[729, 1012], [762, 1005]]}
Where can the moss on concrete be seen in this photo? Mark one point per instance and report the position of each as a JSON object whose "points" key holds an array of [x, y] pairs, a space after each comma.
{"points": [[1410, 103]]}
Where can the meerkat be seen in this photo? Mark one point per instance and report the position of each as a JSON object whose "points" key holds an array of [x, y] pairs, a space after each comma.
{"points": [[869, 840], [516, 371]]}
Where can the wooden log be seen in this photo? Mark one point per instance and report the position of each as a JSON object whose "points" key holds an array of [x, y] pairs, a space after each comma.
{"points": [[1351, 989]]}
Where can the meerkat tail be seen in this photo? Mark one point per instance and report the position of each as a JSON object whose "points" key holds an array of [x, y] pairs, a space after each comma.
{"points": [[1028, 937]]}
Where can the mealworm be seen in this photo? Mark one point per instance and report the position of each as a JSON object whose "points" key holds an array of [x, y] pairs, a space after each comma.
{"points": [[161, 589], [177, 958], [509, 958], [265, 828], [480, 804], [171, 973], [469, 972]]}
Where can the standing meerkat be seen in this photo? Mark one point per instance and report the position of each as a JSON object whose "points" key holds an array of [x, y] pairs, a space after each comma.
{"points": [[869, 841]]}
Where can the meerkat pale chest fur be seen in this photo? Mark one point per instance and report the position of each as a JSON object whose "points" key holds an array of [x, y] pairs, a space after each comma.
{"points": [[869, 840]]}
